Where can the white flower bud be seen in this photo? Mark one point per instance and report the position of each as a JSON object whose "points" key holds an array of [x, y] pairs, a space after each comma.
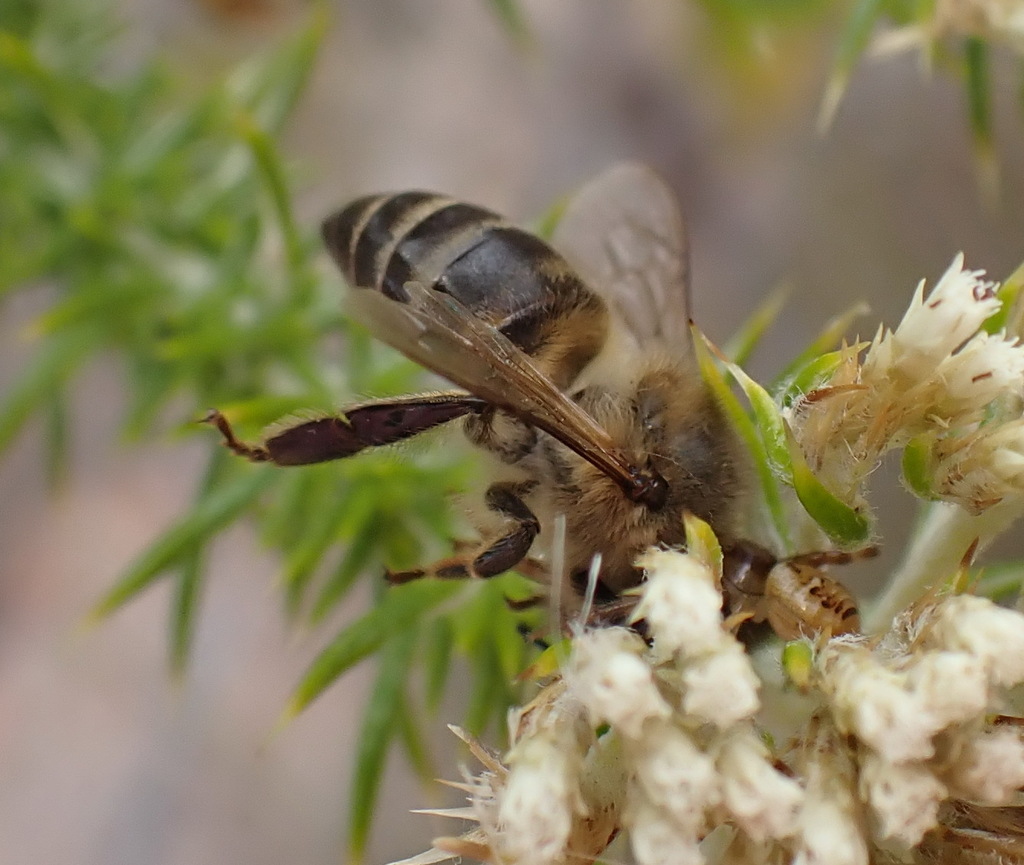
{"points": [[951, 686], [721, 688], [1002, 453], [876, 704], [537, 802], [829, 834], [986, 368], [676, 775], [993, 634], [762, 801], [608, 676], [933, 329], [657, 840], [680, 603], [830, 826], [904, 798], [990, 768]]}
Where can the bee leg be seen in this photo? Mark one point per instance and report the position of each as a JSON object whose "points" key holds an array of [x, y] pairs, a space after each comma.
{"points": [[533, 569], [501, 433], [519, 604], [820, 558], [333, 437], [614, 612], [254, 453], [511, 548], [501, 555]]}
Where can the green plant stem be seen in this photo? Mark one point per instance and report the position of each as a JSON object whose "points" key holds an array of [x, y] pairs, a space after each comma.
{"points": [[935, 552]]}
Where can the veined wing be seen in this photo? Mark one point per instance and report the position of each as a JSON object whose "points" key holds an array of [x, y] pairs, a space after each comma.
{"points": [[624, 234], [439, 333]]}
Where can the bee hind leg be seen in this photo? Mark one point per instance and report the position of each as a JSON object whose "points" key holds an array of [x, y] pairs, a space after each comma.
{"points": [[332, 437], [500, 555]]}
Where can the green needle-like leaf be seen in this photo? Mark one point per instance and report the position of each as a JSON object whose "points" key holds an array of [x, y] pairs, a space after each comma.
{"points": [[815, 373], [270, 86], [307, 553], [210, 514], [1010, 315], [979, 99], [741, 344], [399, 609], [1002, 581], [52, 367], [269, 163], [381, 722], [854, 40], [299, 492], [827, 339], [843, 524], [357, 560], [488, 686], [437, 660], [413, 743], [761, 435], [188, 583]]}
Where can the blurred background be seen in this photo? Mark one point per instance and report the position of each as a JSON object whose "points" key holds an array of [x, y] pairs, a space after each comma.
{"points": [[103, 757]]}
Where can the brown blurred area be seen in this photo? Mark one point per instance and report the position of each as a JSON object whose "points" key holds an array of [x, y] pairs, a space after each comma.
{"points": [[104, 759]]}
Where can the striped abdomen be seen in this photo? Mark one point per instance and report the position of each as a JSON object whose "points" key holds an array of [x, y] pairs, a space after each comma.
{"points": [[502, 274]]}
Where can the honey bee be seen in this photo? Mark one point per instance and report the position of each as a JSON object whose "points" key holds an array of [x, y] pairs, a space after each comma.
{"points": [[577, 374]]}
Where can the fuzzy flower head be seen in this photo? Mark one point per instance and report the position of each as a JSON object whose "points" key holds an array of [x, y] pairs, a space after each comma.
{"points": [[933, 328], [610, 678], [939, 386], [899, 733], [916, 708]]}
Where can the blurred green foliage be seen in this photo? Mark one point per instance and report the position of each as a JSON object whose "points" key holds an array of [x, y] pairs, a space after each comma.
{"points": [[160, 225]]}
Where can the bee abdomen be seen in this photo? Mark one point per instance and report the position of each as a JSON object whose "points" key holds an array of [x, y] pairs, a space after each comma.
{"points": [[384, 241], [802, 600], [502, 274]]}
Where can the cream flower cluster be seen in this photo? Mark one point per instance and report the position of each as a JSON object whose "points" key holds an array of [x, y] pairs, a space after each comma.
{"points": [[914, 713], [658, 738], [680, 710], [938, 385]]}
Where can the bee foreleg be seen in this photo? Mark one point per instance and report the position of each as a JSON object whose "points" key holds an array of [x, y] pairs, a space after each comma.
{"points": [[333, 437], [531, 568], [498, 556], [511, 548]]}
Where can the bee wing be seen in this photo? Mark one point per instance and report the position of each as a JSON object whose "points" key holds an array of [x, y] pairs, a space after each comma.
{"points": [[624, 234], [438, 332]]}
